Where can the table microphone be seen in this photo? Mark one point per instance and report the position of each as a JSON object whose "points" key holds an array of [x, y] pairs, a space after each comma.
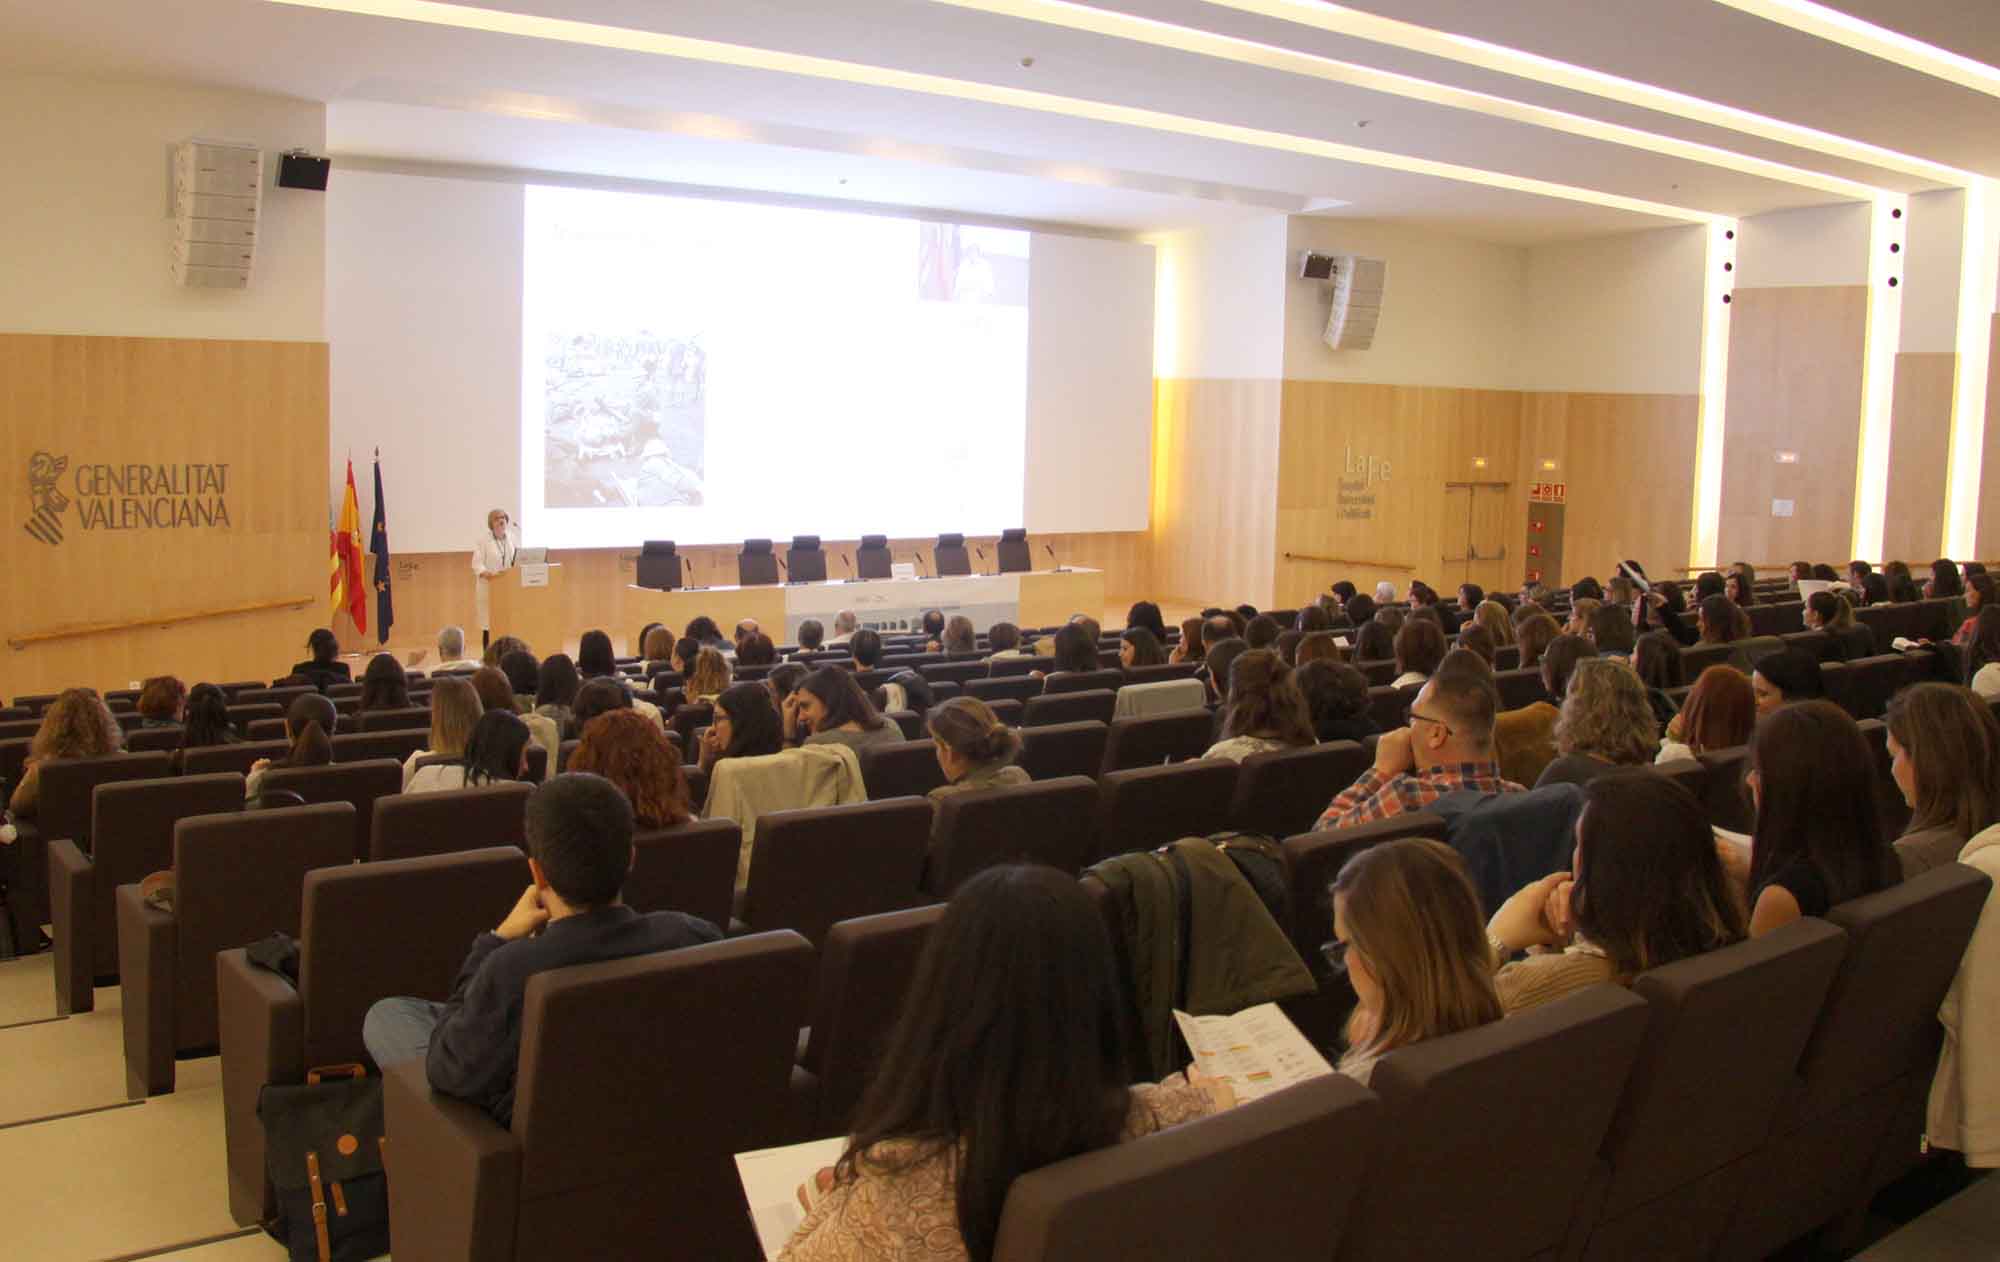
{"points": [[1052, 556], [849, 566], [981, 551], [920, 561]]}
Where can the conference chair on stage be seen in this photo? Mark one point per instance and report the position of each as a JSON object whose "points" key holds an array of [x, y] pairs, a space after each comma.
{"points": [[756, 564], [953, 559], [807, 562], [659, 565], [871, 559], [1015, 556]]}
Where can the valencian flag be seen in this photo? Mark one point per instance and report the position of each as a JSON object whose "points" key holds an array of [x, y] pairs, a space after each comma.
{"points": [[344, 585], [378, 543]]}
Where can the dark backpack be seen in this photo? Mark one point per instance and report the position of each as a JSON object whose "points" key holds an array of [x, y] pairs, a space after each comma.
{"points": [[324, 1154]]}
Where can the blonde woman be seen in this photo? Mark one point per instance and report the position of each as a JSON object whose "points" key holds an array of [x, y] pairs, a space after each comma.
{"points": [[1944, 755], [77, 724], [709, 677], [1409, 936], [455, 711], [1493, 615], [492, 554], [1606, 721]]}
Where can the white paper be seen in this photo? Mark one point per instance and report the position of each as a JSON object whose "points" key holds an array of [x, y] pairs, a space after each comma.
{"points": [[534, 575], [1256, 1051], [771, 1179], [1810, 587]]}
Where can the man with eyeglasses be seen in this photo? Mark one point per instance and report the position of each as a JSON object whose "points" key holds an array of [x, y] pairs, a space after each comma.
{"points": [[1447, 746]]}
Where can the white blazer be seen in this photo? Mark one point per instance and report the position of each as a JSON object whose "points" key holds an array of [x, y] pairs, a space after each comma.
{"points": [[490, 556]]}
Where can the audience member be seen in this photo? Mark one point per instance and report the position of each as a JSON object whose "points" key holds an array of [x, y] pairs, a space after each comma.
{"points": [[1216, 667], [496, 751], [1720, 712], [1447, 746], [1611, 632], [309, 725], [1288, 646], [523, 672], [555, 691], [1010, 1054], [494, 692], [1789, 675], [656, 647], [933, 624], [960, 636], [499, 647], [1656, 660], [1189, 648], [1492, 615], [1903, 590], [1978, 595], [1385, 592], [703, 628], [1476, 639], [1817, 841], [1982, 655], [1314, 617], [1360, 609], [1075, 649], [1619, 594], [1606, 722], [709, 677], [1705, 585], [745, 725], [830, 709], [1533, 635], [1139, 647], [1944, 755], [784, 680], [756, 650], [975, 750], [579, 830], [1720, 621], [1663, 609], [1419, 648], [1266, 710], [1407, 933], [78, 724], [451, 650], [324, 666], [866, 646], [1003, 639], [1374, 642], [1336, 697], [1580, 614], [845, 624], [599, 696], [1645, 888], [384, 685], [1738, 589], [1874, 590], [642, 762], [1585, 588], [1146, 615], [205, 717], [455, 709], [1832, 614], [811, 635], [1944, 581], [1318, 646], [1262, 632], [161, 700], [1524, 739], [687, 651], [1470, 596]]}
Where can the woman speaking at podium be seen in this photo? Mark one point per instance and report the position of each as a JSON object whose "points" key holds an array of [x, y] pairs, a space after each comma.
{"points": [[493, 554]]}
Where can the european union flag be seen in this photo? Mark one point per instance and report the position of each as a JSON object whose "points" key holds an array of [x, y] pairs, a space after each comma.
{"points": [[378, 543]]}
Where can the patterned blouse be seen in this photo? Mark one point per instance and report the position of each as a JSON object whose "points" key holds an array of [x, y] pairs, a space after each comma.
{"points": [[911, 1215]]}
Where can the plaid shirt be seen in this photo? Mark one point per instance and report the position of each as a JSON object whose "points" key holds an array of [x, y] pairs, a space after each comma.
{"points": [[1376, 796]]}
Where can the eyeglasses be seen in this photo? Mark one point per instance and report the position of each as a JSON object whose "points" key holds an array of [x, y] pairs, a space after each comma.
{"points": [[1334, 953], [1416, 718]]}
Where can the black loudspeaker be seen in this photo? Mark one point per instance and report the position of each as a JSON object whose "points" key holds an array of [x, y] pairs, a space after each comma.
{"points": [[1314, 266], [303, 170]]}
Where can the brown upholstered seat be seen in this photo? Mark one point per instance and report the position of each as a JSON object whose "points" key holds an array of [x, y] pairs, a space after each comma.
{"points": [[1723, 1045], [156, 739], [691, 868], [272, 1032], [1005, 687], [1547, 1079], [1283, 792], [611, 1157], [203, 760], [1219, 1189], [904, 769], [282, 697], [1389, 706], [1063, 681], [1151, 739], [396, 720], [1312, 860], [411, 824], [242, 716], [359, 784], [132, 827], [1144, 807], [1863, 687], [64, 810], [866, 966], [1161, 674], [1726, 797], [237, 879], [1045, 822], [1006, 667], [1063, 749], [815, 866], [1876, 1037], [953, 672], [396, 743], [1070, 706], [1519, 688]]}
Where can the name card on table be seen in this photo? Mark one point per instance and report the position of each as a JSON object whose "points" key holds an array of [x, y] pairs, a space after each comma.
{"points": [[535, 575]]}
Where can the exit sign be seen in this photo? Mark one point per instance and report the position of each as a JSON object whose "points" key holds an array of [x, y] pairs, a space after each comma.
{"points": [[1548, 493]]}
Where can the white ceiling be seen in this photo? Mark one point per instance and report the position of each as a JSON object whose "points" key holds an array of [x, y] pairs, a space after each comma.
{"points": [[411, 92]]}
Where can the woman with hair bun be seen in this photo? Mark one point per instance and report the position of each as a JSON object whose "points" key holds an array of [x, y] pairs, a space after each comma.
{"points": [[975, 750]]}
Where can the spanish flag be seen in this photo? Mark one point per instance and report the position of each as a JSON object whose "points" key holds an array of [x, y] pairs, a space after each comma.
{"points": [[345, 586]]}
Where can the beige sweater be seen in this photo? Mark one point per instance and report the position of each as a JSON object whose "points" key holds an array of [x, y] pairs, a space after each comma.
{"points": [[1545, 977], [1965, 1095]]}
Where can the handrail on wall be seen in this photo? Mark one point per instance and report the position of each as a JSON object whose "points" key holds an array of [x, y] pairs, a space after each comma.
{"points": [[168, 620], [1380, 565]]}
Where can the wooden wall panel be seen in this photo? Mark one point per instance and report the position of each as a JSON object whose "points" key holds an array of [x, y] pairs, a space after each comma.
{"points": [[1215, 471], [258, 408], [1628, 461], [1919, 451], [1331, 431], [1795, 366], [1988, 532]]}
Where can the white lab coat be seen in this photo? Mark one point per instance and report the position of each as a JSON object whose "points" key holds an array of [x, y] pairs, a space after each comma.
{"points": [[490, 556]]}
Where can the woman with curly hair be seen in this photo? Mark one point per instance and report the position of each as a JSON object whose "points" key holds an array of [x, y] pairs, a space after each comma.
{"points": [[709, 677], [77, 724], [1606, 722], [629, 750]]}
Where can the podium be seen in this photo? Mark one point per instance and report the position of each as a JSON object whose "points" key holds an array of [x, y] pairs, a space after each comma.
{"points": [[538, 610]]}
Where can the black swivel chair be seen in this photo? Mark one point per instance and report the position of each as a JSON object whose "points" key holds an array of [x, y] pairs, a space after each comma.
{"points": [[953, 559], [806, 563], [659, 565], [756, 563], [1015, 557], [871, 559]]}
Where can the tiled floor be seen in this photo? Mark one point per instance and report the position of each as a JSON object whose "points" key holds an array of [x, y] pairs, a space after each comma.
{"points": [[155, 1185]]}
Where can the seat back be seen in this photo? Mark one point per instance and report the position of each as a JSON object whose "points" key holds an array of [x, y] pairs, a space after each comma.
{"points": [[866, 967], [1726, 797], [1149, 740], [412, 824], [1160, 696], [1047, 822], [1863, 687], [132, 836], [691, 868], [1063, 749], [1721, 1048], [1520, 687], [1389, 706], [1777, 619], [756, 564], [437, 903], [1004, 687], [1143, 807], [871, 559], [819, 865], [1002, 667], [201, 760], [1548, 1079], [952, 557], [1069, 706], [155, 739], [1063, 681], [238, 879], [69, 786], [640, 1146], [360, 784], [953, 672], [398, 743], [806, 561], [1312, 860], [401, 720], [904, 769], [1890, 806], [1283, 792], [1204, 1191]]}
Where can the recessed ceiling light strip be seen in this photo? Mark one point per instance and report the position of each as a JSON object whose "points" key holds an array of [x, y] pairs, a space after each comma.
{"points": [[1871, 40], [656, 43]]}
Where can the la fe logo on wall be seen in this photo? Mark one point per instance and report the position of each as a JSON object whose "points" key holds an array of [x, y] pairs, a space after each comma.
{"points": [[125, 497]]}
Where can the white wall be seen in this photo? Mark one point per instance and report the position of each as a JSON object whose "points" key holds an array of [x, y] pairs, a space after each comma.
{"points": [[1618, 314], [1451, 308], [1820, 245], [85, 233], [1931, 254], [1221, 296]]}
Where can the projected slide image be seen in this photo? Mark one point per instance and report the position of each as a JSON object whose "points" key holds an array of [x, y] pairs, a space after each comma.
{"points": [[625, 420]]}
